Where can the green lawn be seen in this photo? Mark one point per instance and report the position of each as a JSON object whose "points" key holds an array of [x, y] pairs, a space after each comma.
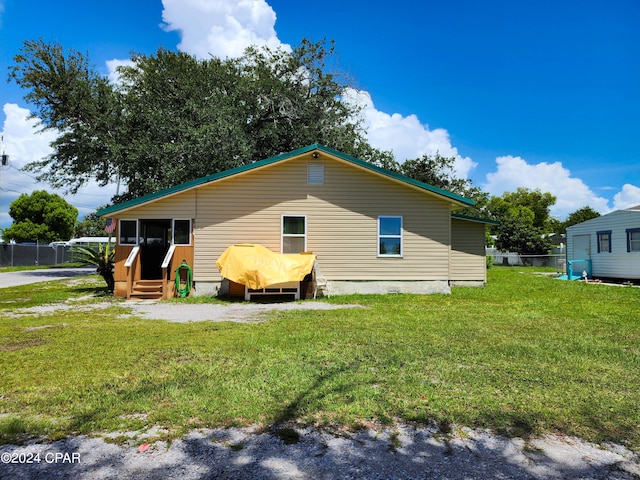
{"points": [[527, 354]]}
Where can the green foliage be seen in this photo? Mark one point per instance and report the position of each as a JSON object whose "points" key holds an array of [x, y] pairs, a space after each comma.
{"points": [[581, 215], [71, 98], [91, 226], [174, 118], [439, 171], [524, 219], [41, 217], [517, 234], [535, 200], [488, 239], [102, 257], [532, 203], [436, 170], [554, 225]]}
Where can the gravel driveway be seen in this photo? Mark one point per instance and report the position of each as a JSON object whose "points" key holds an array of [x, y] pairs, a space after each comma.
{"points": [[244, 454]]}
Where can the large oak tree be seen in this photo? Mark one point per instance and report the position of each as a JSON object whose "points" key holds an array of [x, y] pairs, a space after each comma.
{"points": [[173, 117]]}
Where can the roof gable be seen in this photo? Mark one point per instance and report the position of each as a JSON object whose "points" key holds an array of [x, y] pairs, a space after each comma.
{"points": [[457, 199]]}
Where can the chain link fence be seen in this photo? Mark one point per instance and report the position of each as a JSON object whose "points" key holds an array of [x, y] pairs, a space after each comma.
{"points": [[557, 259], [55, 253], [17, 255]]}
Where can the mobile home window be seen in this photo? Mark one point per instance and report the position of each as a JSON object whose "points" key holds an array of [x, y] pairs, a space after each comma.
{"points": [[294, 233], [182, 232], [128, 232], [604, 242], [633, 240], [390, 236]]}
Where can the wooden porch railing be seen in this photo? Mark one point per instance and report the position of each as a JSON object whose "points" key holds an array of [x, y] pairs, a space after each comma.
{"points": [[131, 265], [166, 276]]}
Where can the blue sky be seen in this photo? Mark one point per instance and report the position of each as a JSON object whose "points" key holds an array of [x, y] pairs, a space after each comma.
{"points": [[534, 94]]}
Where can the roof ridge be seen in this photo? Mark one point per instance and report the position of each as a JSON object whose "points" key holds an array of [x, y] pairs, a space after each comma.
{"points": [[278, 158]]}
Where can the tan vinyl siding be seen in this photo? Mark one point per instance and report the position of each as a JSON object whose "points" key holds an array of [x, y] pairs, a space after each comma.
{"points": [[467, 251], [180, 206], [342, 216]]}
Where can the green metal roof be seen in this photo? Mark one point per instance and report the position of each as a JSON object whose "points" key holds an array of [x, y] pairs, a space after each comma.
{"points": [[469, 218], [278, 158]]}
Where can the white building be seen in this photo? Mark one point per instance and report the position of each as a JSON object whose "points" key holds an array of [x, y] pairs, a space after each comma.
{"points": [[611, 243]]}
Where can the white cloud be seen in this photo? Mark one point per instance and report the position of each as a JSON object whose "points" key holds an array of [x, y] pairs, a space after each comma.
{"points": [[23, 144], [112, 65], [571, 193], [406, 136], [628, 197], [21, 140], [223, 28]]}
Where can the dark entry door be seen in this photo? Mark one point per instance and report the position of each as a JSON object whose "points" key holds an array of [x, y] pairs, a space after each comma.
{"points": [[155, 239]]}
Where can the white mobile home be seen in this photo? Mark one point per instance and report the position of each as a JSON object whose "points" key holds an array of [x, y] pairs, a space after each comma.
{"points": [[611, 242]]}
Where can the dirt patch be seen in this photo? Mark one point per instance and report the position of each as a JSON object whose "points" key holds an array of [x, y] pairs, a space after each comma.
{"points": [[235, 312], [183, 312], [55, 308], [20, 346]]}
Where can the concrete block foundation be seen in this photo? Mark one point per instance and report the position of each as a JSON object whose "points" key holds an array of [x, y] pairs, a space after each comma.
{"points": [[342, 287]]}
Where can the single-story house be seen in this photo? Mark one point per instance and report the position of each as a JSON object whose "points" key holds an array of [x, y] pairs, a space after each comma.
{"points": [[606, 246], [371, 229]]}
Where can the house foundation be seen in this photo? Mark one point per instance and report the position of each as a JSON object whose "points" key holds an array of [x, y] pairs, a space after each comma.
{"points": [[342, 287], [224, 288]]}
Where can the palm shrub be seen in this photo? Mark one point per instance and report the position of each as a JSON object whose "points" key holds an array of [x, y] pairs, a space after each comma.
{"points": [[103, 259]]}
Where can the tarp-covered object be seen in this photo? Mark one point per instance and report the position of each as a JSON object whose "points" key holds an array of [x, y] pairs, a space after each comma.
{"points": [[258, 267]]}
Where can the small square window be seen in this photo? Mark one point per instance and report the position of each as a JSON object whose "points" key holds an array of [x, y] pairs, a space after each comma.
{"points": [[128, 232]]}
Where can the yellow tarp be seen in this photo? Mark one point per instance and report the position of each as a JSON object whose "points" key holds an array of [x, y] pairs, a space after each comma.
{"points": [[258, 267]]}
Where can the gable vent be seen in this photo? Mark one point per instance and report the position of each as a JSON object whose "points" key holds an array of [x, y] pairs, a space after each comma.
{"points": [[315, 174]]}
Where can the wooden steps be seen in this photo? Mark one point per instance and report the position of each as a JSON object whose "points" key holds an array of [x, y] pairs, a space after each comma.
{"points": [[147, 289]]}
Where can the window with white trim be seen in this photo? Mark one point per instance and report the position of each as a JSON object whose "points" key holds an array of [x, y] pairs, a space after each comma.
{"points": [[389, 236], [128, 232], [604, 241], [294, 233]]}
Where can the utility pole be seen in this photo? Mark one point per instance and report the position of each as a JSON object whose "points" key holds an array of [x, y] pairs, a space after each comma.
{"points": [[4, 160]]}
